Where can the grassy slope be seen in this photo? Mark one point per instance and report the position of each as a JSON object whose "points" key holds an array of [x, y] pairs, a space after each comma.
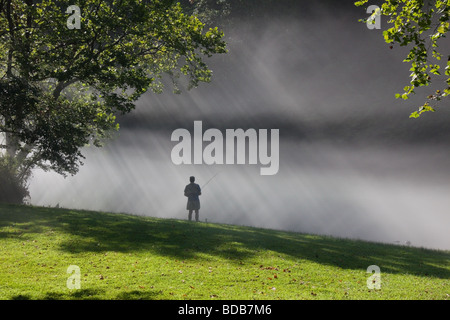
{"points": [[130, 257]]}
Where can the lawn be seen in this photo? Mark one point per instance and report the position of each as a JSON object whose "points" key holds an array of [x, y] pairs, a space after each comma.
{"points": [[121, 256]]}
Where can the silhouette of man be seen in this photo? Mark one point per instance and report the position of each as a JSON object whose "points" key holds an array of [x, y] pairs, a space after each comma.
{"points": [[192, 191]]}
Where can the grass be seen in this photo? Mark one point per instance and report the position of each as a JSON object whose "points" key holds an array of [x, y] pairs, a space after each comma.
{"points": [[130, 257]]}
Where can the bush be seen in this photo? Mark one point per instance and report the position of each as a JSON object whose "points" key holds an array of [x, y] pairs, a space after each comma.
{"points": [[12, 188]]}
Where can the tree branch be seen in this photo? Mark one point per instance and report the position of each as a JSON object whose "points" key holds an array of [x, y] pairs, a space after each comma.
{"points": [[61, 86]]}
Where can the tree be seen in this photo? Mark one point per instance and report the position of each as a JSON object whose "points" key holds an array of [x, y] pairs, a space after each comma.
{"points": [[420, 25], [65, 74]]}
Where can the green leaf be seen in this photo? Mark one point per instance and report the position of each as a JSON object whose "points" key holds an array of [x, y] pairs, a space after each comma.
{"points": [[443, 27], [360, 3], [415, 114]]}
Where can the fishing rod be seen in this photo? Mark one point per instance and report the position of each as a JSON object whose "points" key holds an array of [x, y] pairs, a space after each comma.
{"points": [[210, 180]]}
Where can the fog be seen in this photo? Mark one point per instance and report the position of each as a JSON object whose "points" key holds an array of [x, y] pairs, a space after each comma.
{"points": [[352, 164]]}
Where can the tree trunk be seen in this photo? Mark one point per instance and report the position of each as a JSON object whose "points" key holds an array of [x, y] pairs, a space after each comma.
{"points": [[12, 145]]}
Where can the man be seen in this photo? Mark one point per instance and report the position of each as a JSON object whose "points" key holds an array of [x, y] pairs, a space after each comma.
{"points": [[192, 191]]}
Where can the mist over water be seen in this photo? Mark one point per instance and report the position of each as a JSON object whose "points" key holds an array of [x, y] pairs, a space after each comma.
{"points": [[352, 164]]}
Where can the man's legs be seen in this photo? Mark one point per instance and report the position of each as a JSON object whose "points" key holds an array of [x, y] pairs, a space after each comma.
{"points": [[196, 215], [190, 215]]}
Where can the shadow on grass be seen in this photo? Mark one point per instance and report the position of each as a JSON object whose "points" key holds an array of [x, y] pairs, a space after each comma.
{"points": [[137, 295], [98, 232], [90, 294], [21, 297]]}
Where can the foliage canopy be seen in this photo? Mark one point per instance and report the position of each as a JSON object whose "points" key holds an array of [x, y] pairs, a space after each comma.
{"points": [[421, 25], [61, 88]]}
